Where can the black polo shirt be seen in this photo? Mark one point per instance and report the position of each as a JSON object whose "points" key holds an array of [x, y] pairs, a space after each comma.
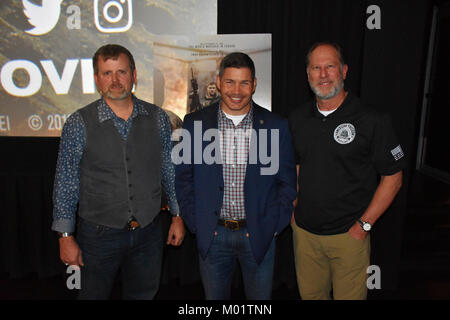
{"points": [[340, 158]]}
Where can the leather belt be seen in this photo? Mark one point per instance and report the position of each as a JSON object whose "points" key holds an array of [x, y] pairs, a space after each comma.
{"points": [[232, 224], [132, 224]]}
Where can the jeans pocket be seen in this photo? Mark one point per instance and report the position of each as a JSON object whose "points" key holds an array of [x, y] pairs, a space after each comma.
{"points": [[101, 230], [91, 230]]}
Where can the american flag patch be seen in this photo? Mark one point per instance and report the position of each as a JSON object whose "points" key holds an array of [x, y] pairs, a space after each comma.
{"points": [[397, 153]]}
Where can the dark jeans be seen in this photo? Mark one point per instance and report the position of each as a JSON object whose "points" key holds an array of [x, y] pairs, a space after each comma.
{"points": [[217, 269], [105, 251]]}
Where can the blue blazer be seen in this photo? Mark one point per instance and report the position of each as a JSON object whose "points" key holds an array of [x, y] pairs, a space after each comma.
{"points": [[268, 198]]}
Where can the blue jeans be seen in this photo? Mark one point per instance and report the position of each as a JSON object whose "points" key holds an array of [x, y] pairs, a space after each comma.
{"points": [[105, 251], [217, 268]]}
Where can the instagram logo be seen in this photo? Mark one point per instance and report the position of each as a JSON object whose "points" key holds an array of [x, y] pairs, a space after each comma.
{"points": [[113, 16]]}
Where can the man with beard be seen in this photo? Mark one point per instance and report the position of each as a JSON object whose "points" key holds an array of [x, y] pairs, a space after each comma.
{"points": [[349, 166], [114, 155]]}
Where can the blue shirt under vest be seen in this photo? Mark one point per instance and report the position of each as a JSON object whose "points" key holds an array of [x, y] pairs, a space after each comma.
{"points": [[66, 194]]}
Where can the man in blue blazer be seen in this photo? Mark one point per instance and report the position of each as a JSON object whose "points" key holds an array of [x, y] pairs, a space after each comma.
{"points": [[235, 183]]}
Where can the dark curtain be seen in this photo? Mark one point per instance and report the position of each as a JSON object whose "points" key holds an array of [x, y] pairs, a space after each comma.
{"points": [[27, 167], [295, 26], [386, 69]]}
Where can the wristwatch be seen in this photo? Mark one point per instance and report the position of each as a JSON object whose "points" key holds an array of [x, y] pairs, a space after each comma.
{"points": [[366, 226], [64, 234]]}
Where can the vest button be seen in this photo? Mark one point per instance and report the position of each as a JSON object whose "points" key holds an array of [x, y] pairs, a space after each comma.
{"points": [[131, 198], [129, 171]]}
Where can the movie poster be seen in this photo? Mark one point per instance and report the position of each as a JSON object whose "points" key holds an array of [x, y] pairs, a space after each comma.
{"points": [[189, 66], [47, 46]]}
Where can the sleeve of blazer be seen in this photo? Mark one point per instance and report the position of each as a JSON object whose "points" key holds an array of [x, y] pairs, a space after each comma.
{"points": [[287, 177], [184, 173]]}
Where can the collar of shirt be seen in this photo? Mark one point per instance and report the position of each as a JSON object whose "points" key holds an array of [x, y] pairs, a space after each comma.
{"points": [[347, 107], [246, 123], [105, 112]]}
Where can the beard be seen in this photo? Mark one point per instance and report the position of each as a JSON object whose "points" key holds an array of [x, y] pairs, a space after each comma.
{"points": [[116, 95], [333, 92], [125, 94]]}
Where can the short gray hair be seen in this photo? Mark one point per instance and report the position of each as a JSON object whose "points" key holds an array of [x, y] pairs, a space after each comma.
{"points": [[338, 49]]}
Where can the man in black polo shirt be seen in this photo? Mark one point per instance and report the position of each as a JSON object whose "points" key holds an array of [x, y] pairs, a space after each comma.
{"points": [[342, 147]]}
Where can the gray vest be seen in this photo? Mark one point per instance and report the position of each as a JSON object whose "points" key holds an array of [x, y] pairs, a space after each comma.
{"points": [[120, 179]]}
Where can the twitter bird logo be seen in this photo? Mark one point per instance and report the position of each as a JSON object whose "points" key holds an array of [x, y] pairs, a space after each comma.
{"points": [[43, 18]]}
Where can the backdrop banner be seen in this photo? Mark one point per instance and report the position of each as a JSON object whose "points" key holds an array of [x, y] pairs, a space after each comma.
{"points": [[46, 50]]}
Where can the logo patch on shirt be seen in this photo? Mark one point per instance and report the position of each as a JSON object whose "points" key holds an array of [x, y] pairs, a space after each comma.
{"points": [[344, 133], [397, 153]]}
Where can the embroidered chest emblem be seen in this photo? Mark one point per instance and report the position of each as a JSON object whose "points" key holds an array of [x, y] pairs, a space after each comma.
{"points": [[344, 133]]}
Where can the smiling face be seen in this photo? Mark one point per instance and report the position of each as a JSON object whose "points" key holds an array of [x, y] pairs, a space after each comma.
{"points": [[326, 74], [236, 87], [114, 78]]}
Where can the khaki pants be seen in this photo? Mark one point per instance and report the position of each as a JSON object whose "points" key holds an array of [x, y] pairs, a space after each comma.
{"points": [[323, 262]]}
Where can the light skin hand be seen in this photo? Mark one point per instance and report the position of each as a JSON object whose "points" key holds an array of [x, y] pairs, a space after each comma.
{"points": [[176, 232], [382, 199], [357, 232], [293, 211], [69, 252]]}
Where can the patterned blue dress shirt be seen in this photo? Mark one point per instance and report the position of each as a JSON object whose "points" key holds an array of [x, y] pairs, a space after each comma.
{"points": [[73, 139]]}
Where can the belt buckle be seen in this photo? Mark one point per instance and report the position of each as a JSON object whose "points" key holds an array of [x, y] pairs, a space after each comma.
{"points": [[132, 225], [232, 224]]}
